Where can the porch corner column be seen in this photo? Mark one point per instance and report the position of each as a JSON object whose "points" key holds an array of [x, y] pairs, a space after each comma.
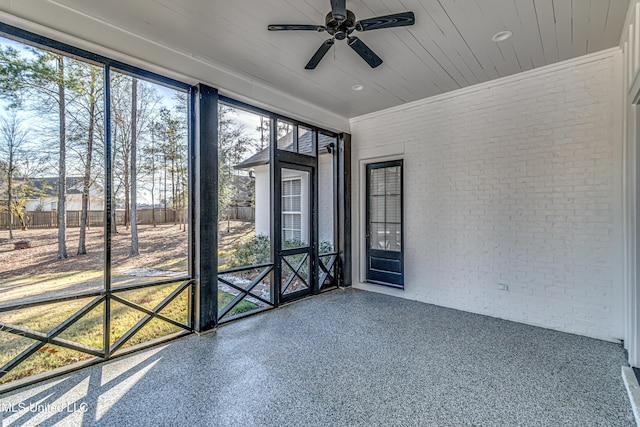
{"points": [[344, 210], [206, 209]]}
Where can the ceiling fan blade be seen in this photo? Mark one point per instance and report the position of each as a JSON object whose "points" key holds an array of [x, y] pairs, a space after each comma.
{"points": [[363, 50], [388, 21], [318, 28], [320, 53], [339, 9]]}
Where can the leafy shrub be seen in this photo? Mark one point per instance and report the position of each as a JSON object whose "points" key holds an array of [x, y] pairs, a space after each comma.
{"points": [[257, 250], [325, 248]]}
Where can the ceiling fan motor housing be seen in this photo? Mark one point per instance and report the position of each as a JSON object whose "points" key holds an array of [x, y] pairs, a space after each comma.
{"points": [[340, 29]]}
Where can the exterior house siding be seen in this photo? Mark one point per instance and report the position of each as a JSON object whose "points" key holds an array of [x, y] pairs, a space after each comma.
{"points": [[325, 189]]}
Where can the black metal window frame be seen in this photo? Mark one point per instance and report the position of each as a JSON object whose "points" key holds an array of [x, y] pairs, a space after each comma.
{"points": [[202, 278], [328, 265], [107, 294]]}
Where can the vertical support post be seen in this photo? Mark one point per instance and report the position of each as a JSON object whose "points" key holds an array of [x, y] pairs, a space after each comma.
{"points": [[335, 192], [314, 199], [191, 168], [206, 209], [344, 214], [108, 196], [276, 216]]}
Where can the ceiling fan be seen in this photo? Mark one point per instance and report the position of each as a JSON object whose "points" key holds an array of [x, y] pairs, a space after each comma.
{"points": [[340, 23]]}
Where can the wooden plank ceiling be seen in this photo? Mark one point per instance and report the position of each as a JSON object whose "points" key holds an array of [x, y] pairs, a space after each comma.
{"points": [[449, 48]]}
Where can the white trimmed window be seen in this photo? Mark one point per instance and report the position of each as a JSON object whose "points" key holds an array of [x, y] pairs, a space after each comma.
{"points": [[291, 209]]}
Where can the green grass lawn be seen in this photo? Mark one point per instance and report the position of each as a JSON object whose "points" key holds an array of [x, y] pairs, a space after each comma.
{"points": [[88, 330], [38, 275], [243, 306]]}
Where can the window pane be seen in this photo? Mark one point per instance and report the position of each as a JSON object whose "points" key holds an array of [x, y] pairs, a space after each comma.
{"points": [[244, 195], [393, 209], [244, 207], [150, 182], [286, 204], [392, 180], [324, 141], [377, 186], [306, 141], [285, 136], [295, 198], [51, 201], [291, 221], [377, 208], [377, 237], [296, 203], [296, 187], [393, 237], [48, 212]]}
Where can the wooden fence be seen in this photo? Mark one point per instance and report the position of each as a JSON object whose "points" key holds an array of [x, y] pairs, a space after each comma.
{"points": [[242, 213], [49, 219]]}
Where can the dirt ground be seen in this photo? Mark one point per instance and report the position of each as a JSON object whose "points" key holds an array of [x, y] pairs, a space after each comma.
{"points": [[35, 272]]}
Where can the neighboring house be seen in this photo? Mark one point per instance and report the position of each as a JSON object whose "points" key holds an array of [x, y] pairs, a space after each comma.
{"points": [[48, 201], [295, 185]]}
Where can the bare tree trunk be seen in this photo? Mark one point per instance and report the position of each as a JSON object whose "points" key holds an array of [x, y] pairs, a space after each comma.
{"points": [[183, 200], [127, 187], [86, 185], [10, 193], [62, 169], [173, 187], [134, 201], [153, 179], [114, 204], [165, 189]]}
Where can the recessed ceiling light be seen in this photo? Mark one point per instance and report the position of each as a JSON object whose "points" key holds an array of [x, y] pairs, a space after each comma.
{"points": [[501, 36], [357, 87]]}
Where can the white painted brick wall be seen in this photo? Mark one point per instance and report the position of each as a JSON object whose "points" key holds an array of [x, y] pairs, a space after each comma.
{"points": [[508, 182]]}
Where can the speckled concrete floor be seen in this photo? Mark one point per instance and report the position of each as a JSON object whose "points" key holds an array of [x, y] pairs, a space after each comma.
{"points": [[347, 358]]}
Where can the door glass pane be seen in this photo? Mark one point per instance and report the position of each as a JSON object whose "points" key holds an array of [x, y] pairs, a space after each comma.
{"points": [[393, 237], [385, 208], [392, 183], [378, 240], [393, 209], [295, 208], [377, 182], [377, 208]]}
